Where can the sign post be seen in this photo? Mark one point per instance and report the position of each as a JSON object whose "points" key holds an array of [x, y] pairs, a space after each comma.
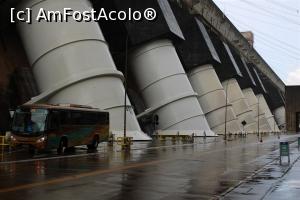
{"points": [[244, 123], [284, 151], [298, 143]]}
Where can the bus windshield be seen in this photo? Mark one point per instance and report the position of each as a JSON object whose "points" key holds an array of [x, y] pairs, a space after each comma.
{"points": [[29, 122]]}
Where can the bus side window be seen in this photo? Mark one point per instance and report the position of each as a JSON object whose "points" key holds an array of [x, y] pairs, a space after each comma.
{"points": [[65, 117], [103, 118], [75, 118], [88, 118], [93, 118], [54, 121]]}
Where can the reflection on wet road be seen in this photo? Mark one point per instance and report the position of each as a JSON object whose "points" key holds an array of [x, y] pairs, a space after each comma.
{"points": [[152, 170]]}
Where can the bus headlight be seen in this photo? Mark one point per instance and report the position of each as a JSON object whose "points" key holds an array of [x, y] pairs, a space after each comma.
{"points": [[42, 139], [12, 138]]}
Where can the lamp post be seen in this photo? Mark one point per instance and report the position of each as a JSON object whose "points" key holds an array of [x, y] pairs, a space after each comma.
{"points": [[226, 103], [126, 141], [258, 133], [274, 126], [125, 86], [258, 116]]}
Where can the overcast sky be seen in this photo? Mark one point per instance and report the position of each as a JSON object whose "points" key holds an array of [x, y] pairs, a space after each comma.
{"points": [[276, 28]]}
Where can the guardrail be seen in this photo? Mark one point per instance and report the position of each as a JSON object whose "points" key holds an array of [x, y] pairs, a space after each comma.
{"points": [[175, 136]]}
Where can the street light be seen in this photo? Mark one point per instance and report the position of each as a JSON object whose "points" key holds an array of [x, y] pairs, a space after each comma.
{"points": [[257, 116], [274, 126], [226, 103], [126, 141], [258, 133], [125, 86]]}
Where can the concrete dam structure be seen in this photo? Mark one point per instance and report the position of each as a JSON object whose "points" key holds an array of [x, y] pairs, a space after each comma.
{"points": [[212, 98], [166, 89], [258, 112], [240, 105], [279, 114], [73, 65], [186, 78], [268, 114]]}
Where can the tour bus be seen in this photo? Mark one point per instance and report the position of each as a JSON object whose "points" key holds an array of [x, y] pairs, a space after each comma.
{"points": [[46, 126]]}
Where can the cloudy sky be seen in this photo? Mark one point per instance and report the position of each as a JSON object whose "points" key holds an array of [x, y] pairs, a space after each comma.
{"points": [[276, 28]]}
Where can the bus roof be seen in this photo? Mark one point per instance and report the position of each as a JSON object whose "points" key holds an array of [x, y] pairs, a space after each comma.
{"points": [[62, 107]]}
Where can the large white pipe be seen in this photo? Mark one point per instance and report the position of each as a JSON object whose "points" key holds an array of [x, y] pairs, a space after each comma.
{"points": [[71, 63], [166, 89], [279, 114], [240, 105], [253, 103], [269, 116], [212, 99]]}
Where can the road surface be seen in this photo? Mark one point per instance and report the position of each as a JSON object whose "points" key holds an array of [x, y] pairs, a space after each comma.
{"points": [[151, 170]]}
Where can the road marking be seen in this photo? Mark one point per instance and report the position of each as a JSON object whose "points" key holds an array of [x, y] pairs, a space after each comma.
{"points": [[78, 176], [12, 152], [95, 172]]}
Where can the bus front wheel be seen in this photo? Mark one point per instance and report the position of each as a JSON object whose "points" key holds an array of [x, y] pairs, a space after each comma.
{"points": [[94, 144], [62, 146]]}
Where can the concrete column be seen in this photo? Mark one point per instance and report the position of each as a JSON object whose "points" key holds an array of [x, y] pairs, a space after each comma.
{"points": [[269, 116], [279, 114], [253, 103], [166, 89], [212, 99], [71, 63], [240, 105]]}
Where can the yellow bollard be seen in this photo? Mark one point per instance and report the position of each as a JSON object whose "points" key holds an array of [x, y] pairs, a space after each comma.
{"points": [[111, 139], [124, 142], [3, 141], [174, 138], [162, 138], [3, 144]]}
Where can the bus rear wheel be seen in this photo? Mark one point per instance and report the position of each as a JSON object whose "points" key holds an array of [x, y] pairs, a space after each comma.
{"points": [[62, 146], [94, 144]]}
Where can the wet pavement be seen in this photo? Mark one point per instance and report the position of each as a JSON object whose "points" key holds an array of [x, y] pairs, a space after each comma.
{"points": [[288, 187], [263, 182], [205, 169]]}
